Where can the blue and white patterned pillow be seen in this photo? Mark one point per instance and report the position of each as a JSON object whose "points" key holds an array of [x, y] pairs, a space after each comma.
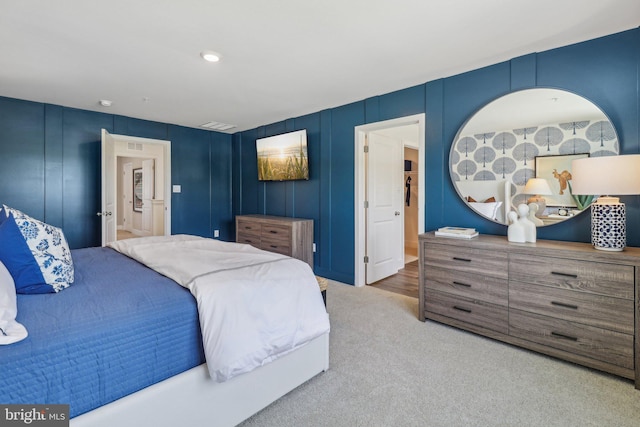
{"points": [[49, 248]]}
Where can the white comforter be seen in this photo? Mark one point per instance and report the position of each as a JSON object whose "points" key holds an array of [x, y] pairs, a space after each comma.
{"points": [[254, 306]]}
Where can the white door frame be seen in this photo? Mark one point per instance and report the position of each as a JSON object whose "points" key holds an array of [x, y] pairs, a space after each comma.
{"points": [[360, 133], [128, 197], [166, 154]]}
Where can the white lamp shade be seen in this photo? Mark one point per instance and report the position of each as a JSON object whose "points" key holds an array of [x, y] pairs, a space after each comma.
{"points": [[609, 175], [537, 186]]}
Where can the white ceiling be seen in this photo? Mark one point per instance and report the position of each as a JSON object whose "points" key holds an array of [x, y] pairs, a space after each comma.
{"points": [[281, 58]]}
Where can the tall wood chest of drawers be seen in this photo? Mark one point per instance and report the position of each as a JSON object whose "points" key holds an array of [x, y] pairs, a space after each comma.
{"points": [[283, 235], [564, 299]]}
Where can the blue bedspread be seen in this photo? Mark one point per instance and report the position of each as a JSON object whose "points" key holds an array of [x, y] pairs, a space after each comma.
{"points": [[119, 328]]}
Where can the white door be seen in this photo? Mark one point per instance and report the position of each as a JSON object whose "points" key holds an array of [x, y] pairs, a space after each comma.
{"points": [[127, 191], [385, 236], [108, 189], [148, 183]]}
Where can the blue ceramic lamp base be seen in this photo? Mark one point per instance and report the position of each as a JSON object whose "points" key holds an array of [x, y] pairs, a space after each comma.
{"points": [[608, 226]]}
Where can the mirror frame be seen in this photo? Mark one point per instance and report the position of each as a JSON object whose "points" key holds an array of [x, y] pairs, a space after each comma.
{"points": [[550, 122]]}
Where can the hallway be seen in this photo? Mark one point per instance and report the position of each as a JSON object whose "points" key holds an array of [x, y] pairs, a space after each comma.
{"points": [[404, 282]]}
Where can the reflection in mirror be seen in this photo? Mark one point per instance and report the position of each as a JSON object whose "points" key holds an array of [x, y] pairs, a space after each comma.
{"points": [[533, 133]]}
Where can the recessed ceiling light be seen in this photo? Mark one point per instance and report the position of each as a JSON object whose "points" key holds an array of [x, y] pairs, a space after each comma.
{"points": [[211, 56], [105, 103]]}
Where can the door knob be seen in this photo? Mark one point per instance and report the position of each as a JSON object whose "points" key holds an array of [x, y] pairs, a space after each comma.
{"points": [[397, 213]]}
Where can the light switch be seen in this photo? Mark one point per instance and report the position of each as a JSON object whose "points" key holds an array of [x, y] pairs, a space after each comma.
{"points": [[177, 189]]}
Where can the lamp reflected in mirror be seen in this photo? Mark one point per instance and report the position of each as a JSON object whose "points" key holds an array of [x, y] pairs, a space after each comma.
{"points": [[538, 187]]}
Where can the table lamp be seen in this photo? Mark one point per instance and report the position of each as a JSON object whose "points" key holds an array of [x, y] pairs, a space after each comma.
{"points": [[604, 176], [537, 187]]}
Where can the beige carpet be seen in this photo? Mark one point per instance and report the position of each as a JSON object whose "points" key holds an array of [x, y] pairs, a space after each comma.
{"points": [[389, 369]]}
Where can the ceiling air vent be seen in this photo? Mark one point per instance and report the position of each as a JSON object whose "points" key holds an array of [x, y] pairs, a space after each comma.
{"points": [[217, 126], [134, 146]]}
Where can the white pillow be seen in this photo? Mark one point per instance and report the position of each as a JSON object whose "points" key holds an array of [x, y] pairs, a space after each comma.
{"points": [[10, 330], [490, 210]]}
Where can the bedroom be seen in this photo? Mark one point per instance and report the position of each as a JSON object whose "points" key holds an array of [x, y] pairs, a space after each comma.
{"points": [[48, 150]]}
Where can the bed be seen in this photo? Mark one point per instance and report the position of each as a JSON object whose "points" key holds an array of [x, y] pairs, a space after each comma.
{"points": [[497, 191], [124, 346]]}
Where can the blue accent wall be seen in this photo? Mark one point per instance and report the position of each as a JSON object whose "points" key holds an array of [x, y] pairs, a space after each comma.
{"points": [[50, 155], [604, 70], [50, 169]]}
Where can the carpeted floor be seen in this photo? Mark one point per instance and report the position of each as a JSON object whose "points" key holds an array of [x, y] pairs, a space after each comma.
{"points": [[389, 369]]}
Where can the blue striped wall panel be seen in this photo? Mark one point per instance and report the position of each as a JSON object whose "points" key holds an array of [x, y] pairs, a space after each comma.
{"points": [[81, 145], [250, 189], [190, 168], [343, 119], [402, 103], [437, 156], [140, 128], [54, 166], [324, 243], [464, 94], [372, 110], [221, 167], [22, 151], [523, 72]]}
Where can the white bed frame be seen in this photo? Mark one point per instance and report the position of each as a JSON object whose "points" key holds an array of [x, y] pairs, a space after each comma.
{"points": [[193, 399]]}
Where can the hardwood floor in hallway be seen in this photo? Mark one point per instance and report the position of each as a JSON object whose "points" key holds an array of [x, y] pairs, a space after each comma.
{"points": [[404, 282]]}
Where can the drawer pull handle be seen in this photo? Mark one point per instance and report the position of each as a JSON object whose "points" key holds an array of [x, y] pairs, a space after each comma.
{"points": [[566, 337], [466, 310], [462, 284], [561, 304], [461, 259], [273, 232], [274, 246], [557, 273]]}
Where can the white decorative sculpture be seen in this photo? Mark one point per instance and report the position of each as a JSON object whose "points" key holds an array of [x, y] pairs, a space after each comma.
{"points": [[533, 211], [521, 229], [515, 231]]}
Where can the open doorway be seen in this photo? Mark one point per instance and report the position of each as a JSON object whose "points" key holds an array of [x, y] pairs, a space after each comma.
{"points": [[140, 209], [382, 195], [136, 179]]}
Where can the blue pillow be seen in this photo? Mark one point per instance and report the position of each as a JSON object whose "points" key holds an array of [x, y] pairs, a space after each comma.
{"points": [[48, 247], [17, 257]]}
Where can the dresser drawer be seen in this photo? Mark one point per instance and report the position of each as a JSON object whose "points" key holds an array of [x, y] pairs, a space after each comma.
{"points": [[595, 310], [248, 228], [468, 285], [275, 245], [276, 232], [474, 312], [597, 278], [249, 238], [467, 260], [600, 344]]}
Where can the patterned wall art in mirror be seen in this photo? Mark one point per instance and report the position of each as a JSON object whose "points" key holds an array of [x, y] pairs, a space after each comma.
{"points": [[523, 135]]}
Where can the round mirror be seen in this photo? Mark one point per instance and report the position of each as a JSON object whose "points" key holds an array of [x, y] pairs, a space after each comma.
{"points": [[518, 149]]}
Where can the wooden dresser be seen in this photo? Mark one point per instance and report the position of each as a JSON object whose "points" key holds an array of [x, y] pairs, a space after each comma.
{"points": [[284, 235], [564, 299]]}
